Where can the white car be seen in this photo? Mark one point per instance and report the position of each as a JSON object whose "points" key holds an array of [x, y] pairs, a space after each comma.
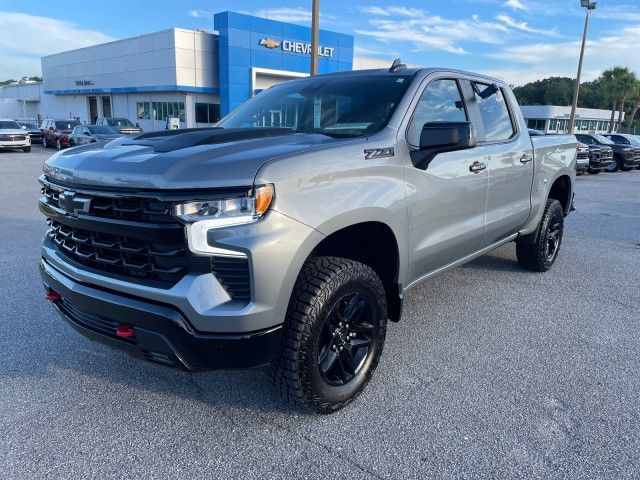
{"points": [[13, 136]]}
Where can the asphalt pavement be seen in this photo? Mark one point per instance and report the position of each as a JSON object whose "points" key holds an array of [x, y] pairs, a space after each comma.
{"points": [[493, 372]]}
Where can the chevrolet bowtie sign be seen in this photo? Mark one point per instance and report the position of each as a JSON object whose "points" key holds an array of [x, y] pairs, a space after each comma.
{"points": [[296, 47]]}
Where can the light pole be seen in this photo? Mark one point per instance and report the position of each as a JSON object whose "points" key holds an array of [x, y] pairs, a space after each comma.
{"points": [[588, 5], [315, 14]]}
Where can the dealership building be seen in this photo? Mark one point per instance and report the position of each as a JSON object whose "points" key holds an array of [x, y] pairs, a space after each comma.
{"points": [[196, 76], [555, 119]]}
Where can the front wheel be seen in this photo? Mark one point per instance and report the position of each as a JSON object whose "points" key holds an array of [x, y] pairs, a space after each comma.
{"points": [[26, 149], [540, 255], [614, 166], [333, 334]]}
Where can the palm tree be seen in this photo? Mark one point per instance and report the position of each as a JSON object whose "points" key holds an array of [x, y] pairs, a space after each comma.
{"points": [[636, 105], [620, 83]]}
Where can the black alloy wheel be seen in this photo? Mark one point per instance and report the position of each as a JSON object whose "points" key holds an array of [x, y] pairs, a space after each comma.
{"points": [[346, 339]]}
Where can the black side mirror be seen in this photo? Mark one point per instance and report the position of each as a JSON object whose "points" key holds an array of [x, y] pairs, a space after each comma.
{"points": [[441, 137]]}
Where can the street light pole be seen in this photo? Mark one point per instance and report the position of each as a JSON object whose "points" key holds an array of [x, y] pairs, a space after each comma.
{"points": [[588, 5], [315, 14]]}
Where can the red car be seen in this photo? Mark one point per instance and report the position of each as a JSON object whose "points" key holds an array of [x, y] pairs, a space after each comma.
{"points": [[56, 132]]}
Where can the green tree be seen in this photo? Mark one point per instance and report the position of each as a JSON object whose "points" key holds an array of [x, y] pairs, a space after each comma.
{"points": [[618, 83]]}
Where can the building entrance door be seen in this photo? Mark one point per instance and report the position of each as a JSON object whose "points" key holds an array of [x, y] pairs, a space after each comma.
{"points": [[93, 109], [106, 107]]}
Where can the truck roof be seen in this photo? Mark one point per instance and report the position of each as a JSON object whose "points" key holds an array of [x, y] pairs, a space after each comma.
{"points": [[410, 71]]}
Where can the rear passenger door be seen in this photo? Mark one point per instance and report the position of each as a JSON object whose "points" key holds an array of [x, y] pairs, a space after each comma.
{"points": [[508, 154]]}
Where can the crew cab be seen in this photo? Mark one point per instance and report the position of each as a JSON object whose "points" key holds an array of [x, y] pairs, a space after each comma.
{"points": [[625, 157], [625, 139], [55, 132], [12, 136], [122, 125], [291, 239]]}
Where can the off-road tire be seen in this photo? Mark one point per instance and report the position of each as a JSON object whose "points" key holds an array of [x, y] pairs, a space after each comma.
{"points": [[535, 256], [322, 282]]}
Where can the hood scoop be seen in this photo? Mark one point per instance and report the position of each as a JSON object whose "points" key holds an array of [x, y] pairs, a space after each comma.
{"points": [[172, 140]]}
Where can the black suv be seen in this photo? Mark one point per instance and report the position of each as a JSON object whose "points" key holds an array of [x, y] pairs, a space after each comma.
{"points": [[625, 157]]}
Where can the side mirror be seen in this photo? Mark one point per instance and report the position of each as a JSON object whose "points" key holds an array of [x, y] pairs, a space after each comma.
{"points": [[441, 137], [137, 124]]}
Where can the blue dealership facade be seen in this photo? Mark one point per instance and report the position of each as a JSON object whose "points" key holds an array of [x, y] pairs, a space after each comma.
{"points": [[196, 76], [250, 45]]}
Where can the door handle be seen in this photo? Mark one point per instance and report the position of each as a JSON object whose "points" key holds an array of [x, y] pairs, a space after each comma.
{"points": [[526, 158], [477, 167]]}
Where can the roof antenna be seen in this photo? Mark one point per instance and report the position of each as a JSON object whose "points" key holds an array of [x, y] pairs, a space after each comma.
{"points": [[397, 65]]}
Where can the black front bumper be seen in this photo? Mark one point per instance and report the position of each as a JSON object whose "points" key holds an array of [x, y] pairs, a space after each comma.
{"points": [[162, 334]]}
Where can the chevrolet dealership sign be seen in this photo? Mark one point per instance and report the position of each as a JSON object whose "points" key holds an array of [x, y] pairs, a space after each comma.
{"points": [[296, 47]]}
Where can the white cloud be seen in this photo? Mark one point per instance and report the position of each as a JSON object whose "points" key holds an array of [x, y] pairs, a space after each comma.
{"points": [[284, 14], [515, 4], [201, 14], [524, 26], [25, 38], [540, 60]]}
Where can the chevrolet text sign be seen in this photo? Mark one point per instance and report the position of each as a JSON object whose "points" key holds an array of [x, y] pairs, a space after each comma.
{"points": [[296, 47]]}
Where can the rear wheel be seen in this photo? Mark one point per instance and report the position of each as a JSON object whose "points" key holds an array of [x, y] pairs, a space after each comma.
{"points": [[333, 334], [540, 255]]}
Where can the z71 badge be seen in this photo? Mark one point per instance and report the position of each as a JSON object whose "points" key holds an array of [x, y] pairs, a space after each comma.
{"points": [[372, 153]]}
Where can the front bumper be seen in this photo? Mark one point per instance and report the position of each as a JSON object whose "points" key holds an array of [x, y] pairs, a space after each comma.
{"points": [[15, 144], [631, 162], [162, 334]]}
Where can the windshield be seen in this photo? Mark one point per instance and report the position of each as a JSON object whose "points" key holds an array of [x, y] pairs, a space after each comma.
{"points": [[120, 122], [66, 124], [28, 125], [102, 130], [9, 125], [604, 140], [335, 106]]}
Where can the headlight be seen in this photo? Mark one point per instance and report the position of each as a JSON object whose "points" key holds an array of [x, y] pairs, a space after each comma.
{"points": [[204, 215]]}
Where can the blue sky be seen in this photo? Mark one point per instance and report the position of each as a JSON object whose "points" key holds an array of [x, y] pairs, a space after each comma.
{"points": [[517, 40]]}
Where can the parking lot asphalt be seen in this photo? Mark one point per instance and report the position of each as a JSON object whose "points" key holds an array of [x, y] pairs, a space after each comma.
{"points": [[492, 372]]}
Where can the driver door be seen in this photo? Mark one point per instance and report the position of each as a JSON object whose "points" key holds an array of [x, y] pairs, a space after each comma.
{"points": [[447, 200]]}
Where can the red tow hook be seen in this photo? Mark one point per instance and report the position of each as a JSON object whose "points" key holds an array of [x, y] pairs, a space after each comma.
{"points": [[52, 296], [125, 331]]}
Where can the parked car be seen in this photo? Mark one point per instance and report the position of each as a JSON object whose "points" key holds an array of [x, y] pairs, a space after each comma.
{"points": [[122, 125], [582, 161], [12, 136], [56, 132], [626, 139], [35, 135], [83, 134], [600, 157], [253, 244], [624, 156]]}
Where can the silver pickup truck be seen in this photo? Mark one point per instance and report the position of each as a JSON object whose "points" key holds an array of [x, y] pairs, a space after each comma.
{"points": [[289, 234]]}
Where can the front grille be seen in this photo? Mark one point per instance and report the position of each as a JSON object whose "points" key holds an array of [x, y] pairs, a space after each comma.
{"points": [[121, 255], [134, 238], [13, 138], [233, 275], [583, 155], [126, 208]]}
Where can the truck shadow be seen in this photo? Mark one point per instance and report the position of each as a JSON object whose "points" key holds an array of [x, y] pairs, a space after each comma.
{"points": [[501, 260]]}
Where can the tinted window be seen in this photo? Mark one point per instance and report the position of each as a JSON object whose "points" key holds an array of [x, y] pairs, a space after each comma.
{"points": [[586, 139], [495, 115], [66, 124], [28, 125], [440, 102], [619, 139], [340, 106], [101, 130], [9, 125]]}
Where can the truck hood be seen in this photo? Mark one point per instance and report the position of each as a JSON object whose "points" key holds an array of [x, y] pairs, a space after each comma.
{"points": [[12, 131], [192, 159]]}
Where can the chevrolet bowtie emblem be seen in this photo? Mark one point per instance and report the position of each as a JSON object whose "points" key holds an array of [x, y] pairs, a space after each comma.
{"points": [[269, 43], [73, 203]]}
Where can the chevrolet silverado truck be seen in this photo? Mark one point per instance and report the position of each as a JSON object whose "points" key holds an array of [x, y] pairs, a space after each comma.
{"points": [[289, 234]]}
